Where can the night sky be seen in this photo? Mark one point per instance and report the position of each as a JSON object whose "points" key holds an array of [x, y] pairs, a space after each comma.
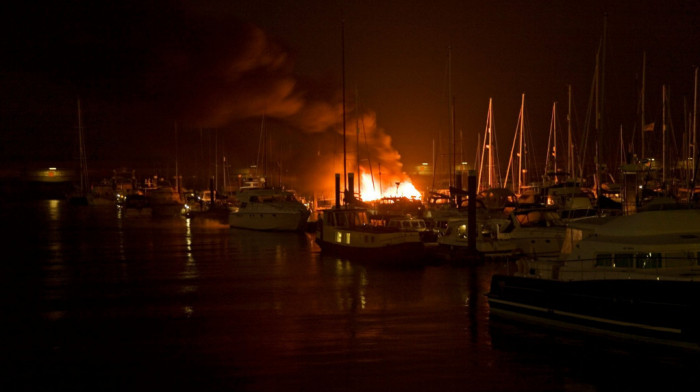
{"points": [[212, 69]]}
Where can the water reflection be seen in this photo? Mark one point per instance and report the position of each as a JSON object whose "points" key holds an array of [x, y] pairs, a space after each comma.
{"points": [[98, 302]]}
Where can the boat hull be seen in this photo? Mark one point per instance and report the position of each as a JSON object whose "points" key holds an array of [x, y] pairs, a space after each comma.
{"points": [[659, 311], [267, 221], [400, 253]]}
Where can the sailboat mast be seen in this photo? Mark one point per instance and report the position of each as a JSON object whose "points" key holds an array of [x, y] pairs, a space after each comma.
{"points": [[570, 146], [357, 126], [520, 147], [554, 130], [695, 116], [451, 114], [453, 168], [597, 125], [663, 134], [490, 146], [177, 174], [83, 158], [345, 169], [642, 124]]}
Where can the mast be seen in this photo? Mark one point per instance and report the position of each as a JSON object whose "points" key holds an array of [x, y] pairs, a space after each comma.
{"points": [[83, 157], [551, 159], [453, 168], [345, 170], [663, 134], [622, 148], [177, 174], [520, 147], [554, 131], [642, 124], [216, 160], [517, 181], [599, 105], [357, 126], [570, 145], [695, 109], [488, 144], [695, 155], [450, 103]]}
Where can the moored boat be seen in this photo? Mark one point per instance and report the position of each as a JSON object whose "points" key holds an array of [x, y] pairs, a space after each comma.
{"points": [[629, 276], [268, 209], [532, 231], [346, 231]]}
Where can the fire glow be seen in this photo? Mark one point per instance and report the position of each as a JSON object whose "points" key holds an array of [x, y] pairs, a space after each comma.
{"points": [[370, 190]]}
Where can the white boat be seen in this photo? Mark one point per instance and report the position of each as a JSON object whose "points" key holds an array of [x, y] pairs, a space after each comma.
{"points": [[526, 231], [633, 276], [268, 209], [346, 231]]}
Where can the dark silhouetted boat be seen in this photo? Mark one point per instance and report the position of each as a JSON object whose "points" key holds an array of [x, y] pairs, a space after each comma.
{"points": [[632, 276]]}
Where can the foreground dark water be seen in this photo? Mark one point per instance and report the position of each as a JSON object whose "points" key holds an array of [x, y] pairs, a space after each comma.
{"points": [[92, 300]]}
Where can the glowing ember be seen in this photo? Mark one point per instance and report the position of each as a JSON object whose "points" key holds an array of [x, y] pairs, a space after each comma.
{"points": [[403, 189]]}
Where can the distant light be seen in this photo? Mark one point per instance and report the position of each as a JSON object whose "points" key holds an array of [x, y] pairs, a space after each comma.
{"points": [[52, 168], [465, 163], [424, 163]]}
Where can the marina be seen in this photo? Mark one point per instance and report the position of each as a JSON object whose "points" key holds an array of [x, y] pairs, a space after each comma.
{"points": [[306, 196]]}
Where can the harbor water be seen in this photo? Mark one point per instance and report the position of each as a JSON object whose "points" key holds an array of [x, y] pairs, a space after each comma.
{"points": [[95, 299]]}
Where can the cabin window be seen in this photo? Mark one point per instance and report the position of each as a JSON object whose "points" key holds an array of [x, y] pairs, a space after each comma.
{"points": [[341, 220], [649, 260], [603, 260], [406, 225], [624, 260], [360, 220], [347, 238], [338, 236]]}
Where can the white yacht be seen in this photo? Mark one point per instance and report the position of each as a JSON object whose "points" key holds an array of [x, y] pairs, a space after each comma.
{"points": [[634, 276], [268, 209]]}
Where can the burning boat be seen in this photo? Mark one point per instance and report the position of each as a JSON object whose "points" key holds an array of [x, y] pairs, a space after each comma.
{"points": [[345, 230]]}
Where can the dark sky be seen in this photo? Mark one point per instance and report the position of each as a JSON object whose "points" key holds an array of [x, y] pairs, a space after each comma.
{"points": [[215, 67]]}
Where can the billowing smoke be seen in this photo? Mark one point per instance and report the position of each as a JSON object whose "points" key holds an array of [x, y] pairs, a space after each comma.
{"points": [[139, 67], [254, 79]]}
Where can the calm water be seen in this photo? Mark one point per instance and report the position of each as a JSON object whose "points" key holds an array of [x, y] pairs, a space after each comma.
{"points": [[95, 301]]}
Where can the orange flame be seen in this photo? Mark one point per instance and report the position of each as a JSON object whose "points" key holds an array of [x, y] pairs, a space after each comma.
{"points": [[370, 191]]}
